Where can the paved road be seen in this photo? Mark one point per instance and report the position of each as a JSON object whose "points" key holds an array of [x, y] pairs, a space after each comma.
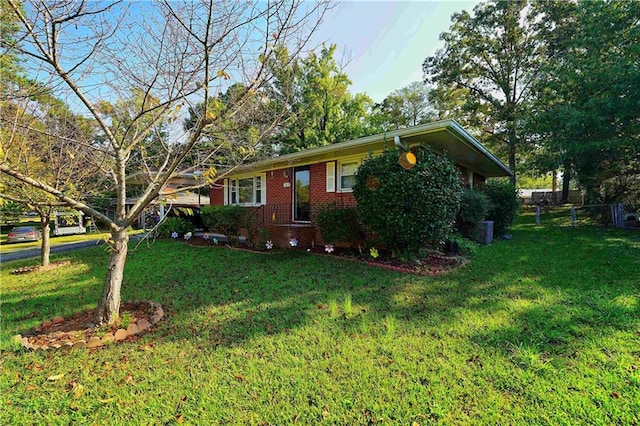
{"points": [[55, 248], [35, 252]]}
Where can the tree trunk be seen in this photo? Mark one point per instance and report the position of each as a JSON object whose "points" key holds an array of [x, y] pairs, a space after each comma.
{"points": [[512, 158], [566, 180], [45, 248], [109, 308]]}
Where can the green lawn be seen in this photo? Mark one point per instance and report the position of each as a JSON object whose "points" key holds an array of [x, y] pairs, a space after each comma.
{"points": [[543, 329]]}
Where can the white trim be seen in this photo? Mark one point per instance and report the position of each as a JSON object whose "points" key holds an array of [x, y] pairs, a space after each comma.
{"points": [[470, 178], [225, 191], [263, 188], [232, 186], [330, 176]]}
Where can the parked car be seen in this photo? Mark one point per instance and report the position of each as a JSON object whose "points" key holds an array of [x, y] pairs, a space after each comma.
{"points": [[24, 233]]}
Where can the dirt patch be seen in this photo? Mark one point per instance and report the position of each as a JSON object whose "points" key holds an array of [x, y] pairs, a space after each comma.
{"points": [[80, 331], [40, 268], [200, 242]]}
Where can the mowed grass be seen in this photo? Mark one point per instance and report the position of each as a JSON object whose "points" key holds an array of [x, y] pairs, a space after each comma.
{"points": [[543, 329]]}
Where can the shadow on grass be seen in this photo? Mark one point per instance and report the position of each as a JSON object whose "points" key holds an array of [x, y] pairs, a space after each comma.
{"points": [[547, 288], [29, 299]]}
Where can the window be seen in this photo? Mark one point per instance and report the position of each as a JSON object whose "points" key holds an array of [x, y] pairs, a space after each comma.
{"points": [[247, 191], [258, 199], [234, 192], [347, 176]]}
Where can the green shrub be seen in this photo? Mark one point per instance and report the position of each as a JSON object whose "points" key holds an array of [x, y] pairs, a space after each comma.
{"points": [[339, 224], [504, 205], [408, 208], [474, 207], [173, 224], [10, 212], [226, 220]]}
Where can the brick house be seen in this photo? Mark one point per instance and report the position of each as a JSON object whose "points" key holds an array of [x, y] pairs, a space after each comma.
{"points": [[282, 193]]}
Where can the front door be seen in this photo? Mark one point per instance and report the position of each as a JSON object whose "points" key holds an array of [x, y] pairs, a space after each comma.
{"points": [[301, 194]]}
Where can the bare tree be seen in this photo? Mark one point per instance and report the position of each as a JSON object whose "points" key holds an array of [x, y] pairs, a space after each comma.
{"points": [[132, 69], [40, 139]]}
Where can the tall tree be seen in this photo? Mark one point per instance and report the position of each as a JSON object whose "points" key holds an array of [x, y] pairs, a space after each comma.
{"points": [[489, 61], [313, 95], [175, 54], [405, 107], [587, 117]]}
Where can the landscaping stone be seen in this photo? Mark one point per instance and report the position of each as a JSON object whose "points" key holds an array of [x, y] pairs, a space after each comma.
{"points": [[143, 324], [132, 329], [121, 334], [54, 337], [94, 342]]}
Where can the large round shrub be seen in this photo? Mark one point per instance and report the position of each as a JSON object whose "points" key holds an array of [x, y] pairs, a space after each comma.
{"points": [[408, 209], [504, 205]]}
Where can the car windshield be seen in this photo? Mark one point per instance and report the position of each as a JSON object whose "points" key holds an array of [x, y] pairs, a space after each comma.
{"points": [[21, 229]]}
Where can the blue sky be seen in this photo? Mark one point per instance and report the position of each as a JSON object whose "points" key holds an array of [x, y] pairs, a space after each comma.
{"points": [[387, 41]]}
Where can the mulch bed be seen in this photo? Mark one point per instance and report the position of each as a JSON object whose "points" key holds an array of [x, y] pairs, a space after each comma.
{"points": [[40, 268], [432, 264], [80, 330]]}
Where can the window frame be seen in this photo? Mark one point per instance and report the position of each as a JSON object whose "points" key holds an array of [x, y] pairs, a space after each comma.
{"points": [[234, 190], [339, 175]]}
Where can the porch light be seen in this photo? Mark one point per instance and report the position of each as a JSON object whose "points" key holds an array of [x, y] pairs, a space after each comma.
{"points": [[408, 160]]}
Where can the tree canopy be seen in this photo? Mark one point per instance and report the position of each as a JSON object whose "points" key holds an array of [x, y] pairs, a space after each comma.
{"points": [[486, 68]]}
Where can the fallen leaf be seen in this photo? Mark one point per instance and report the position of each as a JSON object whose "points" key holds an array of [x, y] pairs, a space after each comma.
{"points": [[55, 377], [106, 401], [615, 395], [240, 377], [180, 419], [128, 378], [78, 390], [147, 347]]}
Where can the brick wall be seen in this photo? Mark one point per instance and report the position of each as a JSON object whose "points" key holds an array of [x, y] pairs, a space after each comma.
{"points": [[278, 193], [478, 180], [216, 193], [319, 194]]}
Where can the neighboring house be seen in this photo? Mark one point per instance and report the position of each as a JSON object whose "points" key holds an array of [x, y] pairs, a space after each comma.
{"points": [[168, 200], [282, 193]]}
